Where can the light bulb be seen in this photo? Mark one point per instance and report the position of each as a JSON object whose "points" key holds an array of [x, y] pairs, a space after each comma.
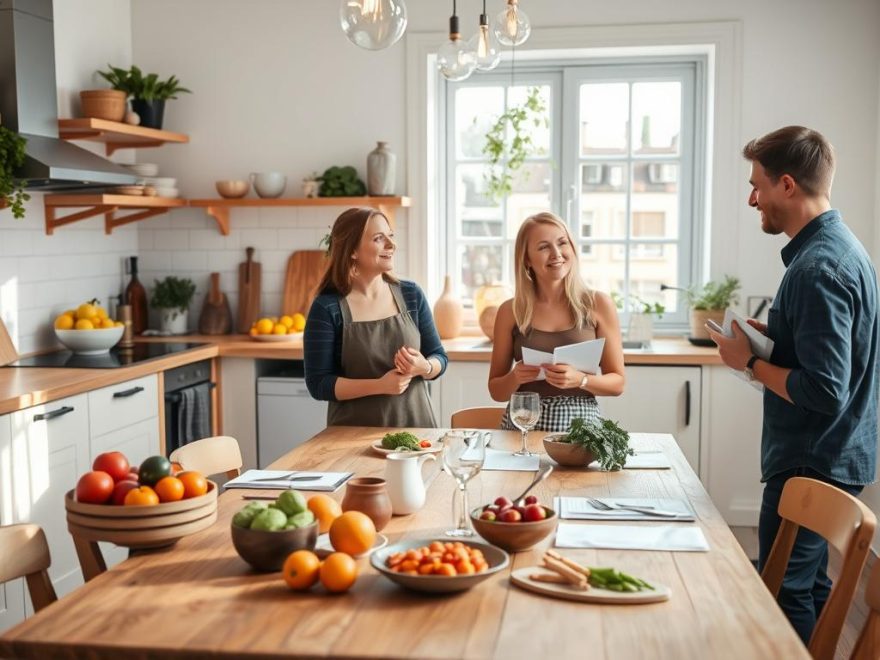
{"points": [[512, 26], [485, 46], [373, 24], [455, 59]]}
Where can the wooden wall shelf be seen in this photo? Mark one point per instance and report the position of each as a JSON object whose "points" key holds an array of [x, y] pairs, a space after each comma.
{"points": [[108, 205], [116, 135], [219, 208]]}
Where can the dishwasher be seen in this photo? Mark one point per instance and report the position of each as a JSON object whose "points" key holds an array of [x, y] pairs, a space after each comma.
{"points": [[287, 415]]}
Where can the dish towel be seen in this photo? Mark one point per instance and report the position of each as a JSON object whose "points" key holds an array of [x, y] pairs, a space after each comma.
{"points": [[194, 416]]}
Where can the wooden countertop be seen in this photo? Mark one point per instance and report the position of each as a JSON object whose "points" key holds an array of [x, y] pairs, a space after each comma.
{"points": [[22, 387], [198, 599]]}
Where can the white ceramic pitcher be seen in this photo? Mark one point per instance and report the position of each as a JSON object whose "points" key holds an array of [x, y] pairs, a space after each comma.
{"points": [[404, 482]]}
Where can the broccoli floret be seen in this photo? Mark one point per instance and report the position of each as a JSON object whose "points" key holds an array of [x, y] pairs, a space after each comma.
{"points": [[401, 440]]}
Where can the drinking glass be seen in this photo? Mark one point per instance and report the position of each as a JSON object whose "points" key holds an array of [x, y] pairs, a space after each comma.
{"points": [[463, 456], [525, 410]]}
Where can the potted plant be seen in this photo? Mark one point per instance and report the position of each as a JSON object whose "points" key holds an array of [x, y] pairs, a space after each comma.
{"points": [[172, 296], [341, 182], [12, 192], [709, 302], [148, 93], [641, 316]]}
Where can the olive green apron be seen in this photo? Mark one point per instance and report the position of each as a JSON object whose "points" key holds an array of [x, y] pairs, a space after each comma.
{"points": [[368, 349]]}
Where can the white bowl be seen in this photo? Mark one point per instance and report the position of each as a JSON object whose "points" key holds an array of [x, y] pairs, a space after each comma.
{"points": [[164, 181], [144, 169], [90, 342], [167, 192]]}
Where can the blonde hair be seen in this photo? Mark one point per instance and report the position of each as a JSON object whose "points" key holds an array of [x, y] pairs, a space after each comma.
{"points": [[581, 300]]}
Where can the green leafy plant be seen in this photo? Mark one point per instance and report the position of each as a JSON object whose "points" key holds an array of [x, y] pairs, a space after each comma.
{"points": [[11, 158], [341, 182], [714, 295], [173, 293], [326, 242], [508, 144], [147, 87], [638, 305], [606, 440]]}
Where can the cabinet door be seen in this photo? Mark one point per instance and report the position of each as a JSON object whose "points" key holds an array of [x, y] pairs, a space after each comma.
{"points": [[123, 404], [50, 450], [12, 592], [661, 400], [465, 385]]}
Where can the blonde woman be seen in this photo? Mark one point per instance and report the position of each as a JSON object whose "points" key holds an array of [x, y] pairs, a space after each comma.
{"points": [[553, 307]]}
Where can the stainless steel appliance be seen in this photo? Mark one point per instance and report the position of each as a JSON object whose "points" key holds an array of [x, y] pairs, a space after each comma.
{"points": [[195, 377]]}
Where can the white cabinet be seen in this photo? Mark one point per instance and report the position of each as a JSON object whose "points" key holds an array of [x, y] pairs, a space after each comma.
{"points": [[239, 406], [12, 592], [464, 385], [661, 399]]}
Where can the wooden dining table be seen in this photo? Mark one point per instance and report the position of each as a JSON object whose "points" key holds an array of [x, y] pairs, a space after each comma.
{"points": [[198, 599]]}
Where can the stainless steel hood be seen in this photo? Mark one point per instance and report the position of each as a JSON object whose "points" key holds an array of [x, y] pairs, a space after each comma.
{"points": [[29, 104]]}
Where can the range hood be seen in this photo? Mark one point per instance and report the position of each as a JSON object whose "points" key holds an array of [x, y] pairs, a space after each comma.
{"points": [[29, 104]]}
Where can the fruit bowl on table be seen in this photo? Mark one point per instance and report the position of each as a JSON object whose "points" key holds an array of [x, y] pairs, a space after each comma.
{"points": [[567, 453], [514, 536], [266, 550], [90, 342], [496, 558]]}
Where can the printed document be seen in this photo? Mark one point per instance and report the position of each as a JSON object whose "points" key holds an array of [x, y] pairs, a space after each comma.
{"points": [[762, 345], [583, 356]]}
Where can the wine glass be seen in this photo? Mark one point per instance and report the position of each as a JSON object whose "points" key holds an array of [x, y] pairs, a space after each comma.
{"points": [[525, 410], [463, 456]]}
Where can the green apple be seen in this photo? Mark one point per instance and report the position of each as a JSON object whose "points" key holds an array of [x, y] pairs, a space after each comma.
{"points": [[292, 502], [269, 520]]}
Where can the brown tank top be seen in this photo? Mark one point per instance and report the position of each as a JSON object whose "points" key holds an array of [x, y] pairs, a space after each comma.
{"points": [[541, 340]]}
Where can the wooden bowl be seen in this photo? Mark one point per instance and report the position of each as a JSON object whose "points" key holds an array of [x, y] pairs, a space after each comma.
{"points": [[141, 526], [514, 537], [566, 453], [103, 104], [266, 551]]}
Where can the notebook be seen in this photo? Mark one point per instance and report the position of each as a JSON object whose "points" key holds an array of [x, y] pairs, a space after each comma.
{"points": [[325, 481]]}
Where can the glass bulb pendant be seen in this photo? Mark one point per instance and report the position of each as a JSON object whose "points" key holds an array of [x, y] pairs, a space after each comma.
{"points": [[512, 26], [455, 59], [373, 24], [485, 46]]}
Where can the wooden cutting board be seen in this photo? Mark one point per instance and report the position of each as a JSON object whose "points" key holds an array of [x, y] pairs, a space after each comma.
{"points": [[305, 268], [249, 284], [7, 348], [520, 577], [216, 317]]}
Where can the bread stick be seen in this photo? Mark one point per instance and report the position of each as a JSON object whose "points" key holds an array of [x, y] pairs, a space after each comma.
{"points": [[555, 578], [573, 576], [568, 562]]}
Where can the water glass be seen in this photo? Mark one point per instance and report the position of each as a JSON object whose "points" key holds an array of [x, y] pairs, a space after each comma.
{"points": [[525, 411], [463, 456]]}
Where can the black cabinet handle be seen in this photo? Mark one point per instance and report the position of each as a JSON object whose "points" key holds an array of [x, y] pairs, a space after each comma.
{"points": [[687, 403], [127, 393], [53, 414]]}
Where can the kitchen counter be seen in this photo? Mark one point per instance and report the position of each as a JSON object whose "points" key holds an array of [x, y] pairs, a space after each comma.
{"points": [[23, 387]]}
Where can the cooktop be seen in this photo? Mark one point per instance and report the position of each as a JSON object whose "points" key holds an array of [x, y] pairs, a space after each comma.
{"points": [[117, 357]]}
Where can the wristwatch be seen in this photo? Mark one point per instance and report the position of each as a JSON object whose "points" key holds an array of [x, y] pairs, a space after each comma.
{"points": [[430, 367], [749, 366], [584, 381]]}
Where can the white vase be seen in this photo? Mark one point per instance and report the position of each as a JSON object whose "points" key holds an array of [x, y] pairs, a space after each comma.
{"points": [[381, 170], [173, 320], [641, 327]]}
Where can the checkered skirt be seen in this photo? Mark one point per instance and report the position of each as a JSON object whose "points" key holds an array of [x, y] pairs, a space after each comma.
{"points": [[557, 413]]}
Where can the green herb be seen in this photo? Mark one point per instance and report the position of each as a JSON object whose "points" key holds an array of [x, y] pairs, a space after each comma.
{"points": [[638, 305], [614, 580], [606, 440], [173, 293], [11, 158], [147, 87], [714, 295], [341, 182], [401, 440]]}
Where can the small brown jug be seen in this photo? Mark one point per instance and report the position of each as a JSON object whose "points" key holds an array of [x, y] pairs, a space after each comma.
{"points": [[368, 495]]}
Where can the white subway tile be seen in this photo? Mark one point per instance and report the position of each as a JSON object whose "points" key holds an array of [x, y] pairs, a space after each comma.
{"points": [[258, 238], [191, 260], [211, 239], [171, 239]]}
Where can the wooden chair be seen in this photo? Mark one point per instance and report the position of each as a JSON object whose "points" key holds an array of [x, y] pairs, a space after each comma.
{"points": [[488, 417], [868, 644], [847, 525], [219, 453], [25, 553]]}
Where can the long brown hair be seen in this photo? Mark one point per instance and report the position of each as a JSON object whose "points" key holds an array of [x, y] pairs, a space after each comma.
{"points": [[345, 237], [581, 300]]}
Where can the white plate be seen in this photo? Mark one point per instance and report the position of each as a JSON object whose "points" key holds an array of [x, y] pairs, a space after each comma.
{"points": [[520, 577], [379, 449], [323, 547], [290, 337]]}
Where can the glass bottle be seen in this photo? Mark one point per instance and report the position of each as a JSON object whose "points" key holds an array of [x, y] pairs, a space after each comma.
{"points": [[136, 296]]}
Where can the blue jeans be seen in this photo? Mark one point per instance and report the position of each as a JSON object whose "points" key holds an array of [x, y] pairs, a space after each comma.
{"points": [[806, 584]]}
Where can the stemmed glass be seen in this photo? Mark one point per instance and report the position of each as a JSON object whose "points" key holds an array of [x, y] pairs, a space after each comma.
{"points": [[525, 411], [463, 456]]}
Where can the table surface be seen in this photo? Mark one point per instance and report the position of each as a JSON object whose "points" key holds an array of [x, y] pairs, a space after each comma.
{"points": [[198, 598]]}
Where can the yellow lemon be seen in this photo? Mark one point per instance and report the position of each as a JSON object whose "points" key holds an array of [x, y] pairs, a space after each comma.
{"points": [[85, 311], [299, 322], [84, 324], [107, 323], [253, 332], [279, 329], [286, 321], [265, 326], [118, 324], [101, 313], [64, 322], [70, 312]]}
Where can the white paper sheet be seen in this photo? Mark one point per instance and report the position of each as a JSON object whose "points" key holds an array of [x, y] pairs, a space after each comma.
{"points": [[579, 508], [669, 538], [328, 481], [762, 346], [499, 459], [583, 356], [535, 358]]}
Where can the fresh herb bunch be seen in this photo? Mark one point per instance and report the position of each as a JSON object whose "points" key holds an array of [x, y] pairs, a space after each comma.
{"points": [[11, 158], [606, 440], [147, 87], [173, 293], [401, 440], [638, 305], [341, 182], [714, 295]]}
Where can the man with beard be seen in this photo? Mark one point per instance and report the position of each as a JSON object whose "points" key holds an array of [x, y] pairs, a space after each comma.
{"points": [[820, 384]]}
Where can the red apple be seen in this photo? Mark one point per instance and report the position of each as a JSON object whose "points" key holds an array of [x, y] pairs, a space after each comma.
{"points": [[113, 463], [503, 502], [491, 507], [120, 490], [488, 515], [510, 516], [534, 512], [531, 499]]}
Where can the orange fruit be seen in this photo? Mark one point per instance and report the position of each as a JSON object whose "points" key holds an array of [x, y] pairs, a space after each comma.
{"points": [[301, 570], [169, 489], [279, 329], [64, 322], [84, 324], [326, 510], [338, 572], [265, 326], [353, 532], [86, 311], [143, 495], [194, 484], [286, 321], [299, 322]]}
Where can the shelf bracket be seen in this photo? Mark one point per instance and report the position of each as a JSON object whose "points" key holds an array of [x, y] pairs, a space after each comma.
{"points": [[53, 221], [114, 146], [111, 222], [221, 215]]}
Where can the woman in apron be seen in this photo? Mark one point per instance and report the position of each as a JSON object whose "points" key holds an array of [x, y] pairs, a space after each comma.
{"points": [[370, 343], [553, 307]]}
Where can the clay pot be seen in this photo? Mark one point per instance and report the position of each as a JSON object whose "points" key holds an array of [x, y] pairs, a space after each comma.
{"points": [[448, 312], [699, 318], [368, 495], [103, 104], [487, 321]]}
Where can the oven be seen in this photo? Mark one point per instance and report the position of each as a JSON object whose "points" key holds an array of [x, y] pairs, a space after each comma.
{"points": [[188, 404]]}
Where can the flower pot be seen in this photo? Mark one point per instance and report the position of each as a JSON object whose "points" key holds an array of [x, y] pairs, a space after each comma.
{"points": [[103, 104], [150, 112], [448, 312], [699, 318], [173, 320], [640, 328]]}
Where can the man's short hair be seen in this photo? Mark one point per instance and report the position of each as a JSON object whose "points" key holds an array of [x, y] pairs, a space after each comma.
{"points": [[802, 153]]}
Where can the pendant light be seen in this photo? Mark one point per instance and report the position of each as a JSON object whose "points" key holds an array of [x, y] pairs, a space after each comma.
{"points": [[373, 24], [512, 26], [484, 44], [455, 59]]}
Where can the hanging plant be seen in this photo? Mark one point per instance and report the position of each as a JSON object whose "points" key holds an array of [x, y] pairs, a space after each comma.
{"points": [[508, 143], [12, 192]]}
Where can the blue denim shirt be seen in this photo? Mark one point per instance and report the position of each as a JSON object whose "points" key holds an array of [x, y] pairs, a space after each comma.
{"points": [[825, 328]]}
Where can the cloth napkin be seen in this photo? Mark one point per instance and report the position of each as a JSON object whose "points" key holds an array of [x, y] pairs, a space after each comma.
{"points": [[630, 537], [329, 481], [579, 508]]}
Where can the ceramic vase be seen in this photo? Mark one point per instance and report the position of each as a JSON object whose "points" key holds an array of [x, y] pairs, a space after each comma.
{"points": [[173, 320], [381, 170], [369, 496], [641, 327], [448, 312], [487, 300], [699, 318]]}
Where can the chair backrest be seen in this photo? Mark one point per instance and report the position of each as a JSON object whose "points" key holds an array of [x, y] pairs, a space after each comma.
{"points": [[25, 553], [847, 525], [488, 417], [868, 644], [219, 453]]}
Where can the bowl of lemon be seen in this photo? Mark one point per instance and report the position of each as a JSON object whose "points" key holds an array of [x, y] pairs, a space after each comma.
{"points": [[272, 328], [88, 329]]}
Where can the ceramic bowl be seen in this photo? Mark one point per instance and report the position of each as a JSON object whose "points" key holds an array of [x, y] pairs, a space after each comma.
{"points": [[266, 551], [164, 181], [167, 192], [144, 169], [90, 342], [514, 537], [233, 189], [495, 557], [566, 453]]}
